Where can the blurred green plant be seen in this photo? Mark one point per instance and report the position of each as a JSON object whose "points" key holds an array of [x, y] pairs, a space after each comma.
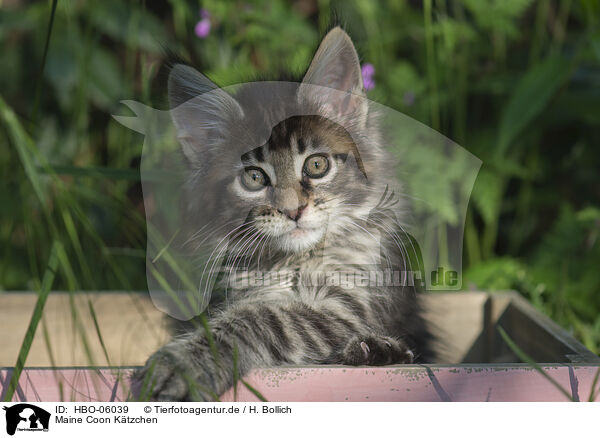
{"points": [[516, 82]]}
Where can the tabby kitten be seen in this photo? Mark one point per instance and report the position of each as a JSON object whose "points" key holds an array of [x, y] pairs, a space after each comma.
{"points": [[312, 202]]}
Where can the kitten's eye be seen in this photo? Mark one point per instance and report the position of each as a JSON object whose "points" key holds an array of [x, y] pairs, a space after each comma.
{"points": [[254, 178], [316, 166]]}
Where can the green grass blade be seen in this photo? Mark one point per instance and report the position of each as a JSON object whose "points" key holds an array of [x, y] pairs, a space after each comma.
{"points": [[79, 328], [254, 391], [526, 358], [431, 68], [211, 340], [48, 344], [95, 172], [98, 332], [38, 86], [529, 98], [594, 383], [24, 145], [35, 319], [236, 373], [110, 173]]}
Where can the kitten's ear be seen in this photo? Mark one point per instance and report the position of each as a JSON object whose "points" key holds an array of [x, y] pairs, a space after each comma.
{"points": [[336, 65], [200, 110]]}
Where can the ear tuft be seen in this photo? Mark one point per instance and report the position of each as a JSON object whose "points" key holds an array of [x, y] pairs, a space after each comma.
{"points": [[201, 111], [185, 83]]}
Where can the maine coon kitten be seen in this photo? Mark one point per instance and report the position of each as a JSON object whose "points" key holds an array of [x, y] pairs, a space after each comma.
{"points": [[310, 204]]}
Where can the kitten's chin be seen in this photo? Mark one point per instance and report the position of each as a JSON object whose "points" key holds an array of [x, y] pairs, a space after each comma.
{"points": [[300, 239]]}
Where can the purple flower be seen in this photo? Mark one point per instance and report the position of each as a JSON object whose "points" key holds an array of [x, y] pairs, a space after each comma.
{"points": [[369, 83], [408, 98], [368, 71], [202, 28]]}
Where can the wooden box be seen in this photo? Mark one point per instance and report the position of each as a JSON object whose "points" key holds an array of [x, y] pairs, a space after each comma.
{"points": [[76, 357]]}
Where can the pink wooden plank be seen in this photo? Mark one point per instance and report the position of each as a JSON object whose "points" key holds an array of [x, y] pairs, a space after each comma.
{"points": [[402, 383], [68, 384], [417, 384]]}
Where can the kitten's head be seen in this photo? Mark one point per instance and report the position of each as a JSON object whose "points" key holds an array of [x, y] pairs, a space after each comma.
{"points": [[280, 164]]}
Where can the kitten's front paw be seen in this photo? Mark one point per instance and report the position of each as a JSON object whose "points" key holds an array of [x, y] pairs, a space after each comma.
{"points": [[376, 350], [168, 375]]}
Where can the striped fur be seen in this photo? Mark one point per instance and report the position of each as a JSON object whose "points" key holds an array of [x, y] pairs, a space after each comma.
{"points": [[304, 229]]}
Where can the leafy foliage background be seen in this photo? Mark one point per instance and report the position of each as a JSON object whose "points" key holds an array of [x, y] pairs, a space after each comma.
{"points": [[516, 82]]}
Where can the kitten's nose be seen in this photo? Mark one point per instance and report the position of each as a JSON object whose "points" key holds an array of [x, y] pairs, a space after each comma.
{"points": [[294, 214]]}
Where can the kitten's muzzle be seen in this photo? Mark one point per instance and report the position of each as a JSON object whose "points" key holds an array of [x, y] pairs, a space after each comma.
{"points": [[295, 213], [289, 201]]}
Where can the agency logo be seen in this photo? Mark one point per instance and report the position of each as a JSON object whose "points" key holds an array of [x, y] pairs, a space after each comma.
{"points": [[26, 418]]}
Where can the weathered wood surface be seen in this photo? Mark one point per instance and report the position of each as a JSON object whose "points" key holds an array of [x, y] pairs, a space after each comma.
{"points": [[538, 335], [132, 328], [400, 383]]}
